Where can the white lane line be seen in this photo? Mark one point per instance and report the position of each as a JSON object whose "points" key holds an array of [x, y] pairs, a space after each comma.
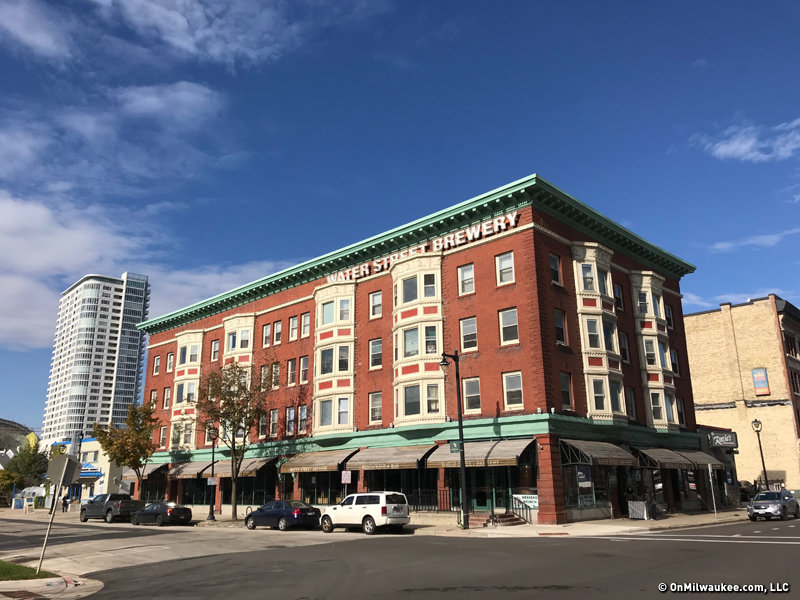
{"points": [[737, 535], [775, 529], [666, 539]]}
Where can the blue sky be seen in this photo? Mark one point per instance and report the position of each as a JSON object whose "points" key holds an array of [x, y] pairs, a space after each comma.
{"points": [[208, 144]]}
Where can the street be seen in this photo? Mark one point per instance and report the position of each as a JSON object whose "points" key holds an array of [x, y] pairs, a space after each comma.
{"points": [[233, 563]]}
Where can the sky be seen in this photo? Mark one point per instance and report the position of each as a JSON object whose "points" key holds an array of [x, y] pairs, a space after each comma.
{"points": [[208, 144]]}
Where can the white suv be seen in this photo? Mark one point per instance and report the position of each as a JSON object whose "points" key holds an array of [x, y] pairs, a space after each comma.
{"points": [[369, 511]]}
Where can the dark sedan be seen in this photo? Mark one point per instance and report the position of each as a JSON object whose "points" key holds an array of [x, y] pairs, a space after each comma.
{"points": [[283, 514], [162, 513]]}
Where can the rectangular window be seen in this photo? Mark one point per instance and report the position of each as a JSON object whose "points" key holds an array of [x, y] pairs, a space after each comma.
{"points": [[244, 339], [619, 301], [273, 422], [432, 394], [411, 400], [276, 328], [375, 353], [305, 324], [466, 279], [214, 350], [608, 335], [328, 312], [472, 394], [344, 309], [565, 380], [681, 411], [162, 438], [642, 303], [302, 418], [190, 391], [668, 316], [410, 289], [344, 358], [555, 268], [512, 389], [276, 375], [303, 369], [410, 342], [182, 355], [509, 332], [602, 276], [588, 278], [673, 355], [326, 361], [593, 333], [375, 407], [170, 361], [290, 420], [615, 389], [662, 354], [187, 435], [655, 405], [650, 352], [375, 305], [153, 397], [431, 346], [343, 411], [630, 403], [668, 402], [263, 424], [266, 334], [292, 328], [624, 350], [429, 285], [656, 305], [561, 326], [179, 393], [505, 268], [231, 345], [264, 377], [599, 389], [291, 371], [156, 365], [469, 334], [167, 393]]}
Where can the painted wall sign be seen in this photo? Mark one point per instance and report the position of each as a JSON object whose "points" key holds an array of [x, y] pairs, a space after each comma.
{"points": [[723, 439], [760, 382], [469, 234]]}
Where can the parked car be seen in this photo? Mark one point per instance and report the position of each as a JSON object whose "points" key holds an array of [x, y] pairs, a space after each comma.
{"points": [[369, 511], [162, 513], [773, 504], [110, 507], [283, 514]]}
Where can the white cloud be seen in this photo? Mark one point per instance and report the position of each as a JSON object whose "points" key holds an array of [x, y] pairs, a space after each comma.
{"points": [[754, 143], [690, 299], [20, 147], [767, 240], [37, 27], [184, 103], [740, 298], [700, 63]]}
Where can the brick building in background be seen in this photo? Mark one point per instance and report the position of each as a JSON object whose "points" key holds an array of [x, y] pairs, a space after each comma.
{"points": [[574, 379], [745, 362]]}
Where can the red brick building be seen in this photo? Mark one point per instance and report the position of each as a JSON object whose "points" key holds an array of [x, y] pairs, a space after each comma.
{"points": [[575, 388]]}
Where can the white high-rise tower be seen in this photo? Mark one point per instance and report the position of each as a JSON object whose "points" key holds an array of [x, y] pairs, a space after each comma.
{"points": [[96, 370]]}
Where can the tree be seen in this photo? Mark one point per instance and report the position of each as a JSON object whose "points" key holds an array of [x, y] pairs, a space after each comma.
{"points": [[131, 446], [230, 405], [27, 468]]}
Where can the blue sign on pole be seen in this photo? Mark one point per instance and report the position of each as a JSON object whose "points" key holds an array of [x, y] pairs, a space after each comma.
{"points": [[455, 447]]}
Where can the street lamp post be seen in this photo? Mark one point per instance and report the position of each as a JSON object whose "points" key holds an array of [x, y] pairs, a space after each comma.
{"points": [[444, 364], [757, 428], [210, 516]]}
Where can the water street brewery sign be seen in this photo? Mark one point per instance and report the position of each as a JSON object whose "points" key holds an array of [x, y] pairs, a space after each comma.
{"points": [[723, 439]]}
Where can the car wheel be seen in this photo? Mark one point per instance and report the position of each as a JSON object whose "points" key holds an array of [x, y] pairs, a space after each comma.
{"points": [[83, 517], [134, 520], [250, 523], [283, 524], [109, 516], [753, 518], [327, 525], [368, 525], [797, 511], [160, 520]]}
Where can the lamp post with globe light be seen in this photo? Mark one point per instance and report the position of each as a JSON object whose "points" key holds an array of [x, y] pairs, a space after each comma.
{"points": [[757, 426], [444, 364]]}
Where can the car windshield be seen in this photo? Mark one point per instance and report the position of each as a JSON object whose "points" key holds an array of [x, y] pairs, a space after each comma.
{"points": [[395, 499], [768, 496], [299, 504]]}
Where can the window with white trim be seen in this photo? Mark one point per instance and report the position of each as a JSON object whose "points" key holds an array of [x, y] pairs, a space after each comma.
{"points": [[302, 418], [344, 358], [504, 265], [304, 369], [305, 325], [555, 268], [655, 406], [429, 285], [188, 431], [673, 356], [263, 426], [472, 394], [630, 402], [593, 333], [162, 438], [509, 332], [657, 305], [344, 309], [265, 378], [170, 362], [432, 397], [512, 389], [328, 312], [410, 342], [273, 422], [276, 329], [343, 411], [409, 289], [375, 407], [182, 352], [276, 375], [650, 352], [560, 318], [619, 297], [290, 411], [341, 355], [643, 304], [469, 334], [624, 349], [602, 281], [231, 346], [431, 339], [375, 304], [293, 328], [599, 390], [466, 279], [587, 277], [167, 394], [153, 397], [668, 316], [681, 411], [615, 389], [266, 334], [291, 371], [565, 384], [411, 400], [244, 340], [375, 353], [668, 402], [609, 329], [662, 354], [214, 350], [156, 365]]}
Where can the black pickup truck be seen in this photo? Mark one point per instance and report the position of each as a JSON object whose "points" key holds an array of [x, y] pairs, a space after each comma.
{"points": [[110, 507]]}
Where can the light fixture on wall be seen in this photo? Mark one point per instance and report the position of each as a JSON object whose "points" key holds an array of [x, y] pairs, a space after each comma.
{"points": [[539, 410]]}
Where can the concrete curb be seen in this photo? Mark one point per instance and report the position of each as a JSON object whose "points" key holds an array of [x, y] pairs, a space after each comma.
{"points": [[65, 587]]}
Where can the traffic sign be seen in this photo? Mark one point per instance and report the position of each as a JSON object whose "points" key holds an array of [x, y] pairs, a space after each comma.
{"points": [[64, 469]]}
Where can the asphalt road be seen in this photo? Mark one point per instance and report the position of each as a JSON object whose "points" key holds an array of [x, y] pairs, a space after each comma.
{"points": [[419, 567]]}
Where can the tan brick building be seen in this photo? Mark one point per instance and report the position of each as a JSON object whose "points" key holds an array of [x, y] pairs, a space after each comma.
{"points": [[745, 365]]}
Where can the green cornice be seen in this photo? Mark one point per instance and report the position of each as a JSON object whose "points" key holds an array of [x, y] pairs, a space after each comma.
{"points": [[519, 426], [528, 191]]}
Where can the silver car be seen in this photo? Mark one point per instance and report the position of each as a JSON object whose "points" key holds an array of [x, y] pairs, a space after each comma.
{"points": [[773, 504]]}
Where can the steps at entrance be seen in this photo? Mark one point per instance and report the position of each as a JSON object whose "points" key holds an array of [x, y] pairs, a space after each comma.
{"points": [[482, 519]]}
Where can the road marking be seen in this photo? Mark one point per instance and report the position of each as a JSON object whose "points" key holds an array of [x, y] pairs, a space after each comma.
{"points": [[775, 529], [676, 539]]}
